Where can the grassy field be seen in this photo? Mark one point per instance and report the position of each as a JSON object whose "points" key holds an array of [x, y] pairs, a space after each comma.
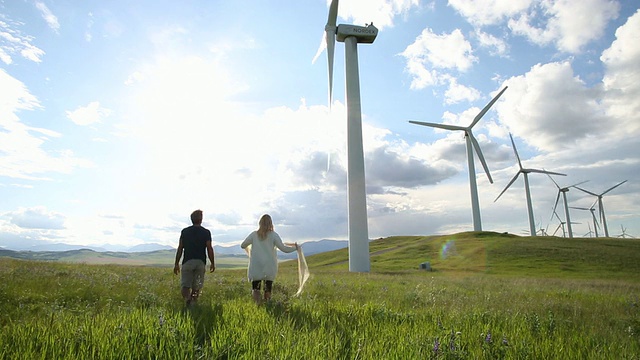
{"points": [[489, 296]]}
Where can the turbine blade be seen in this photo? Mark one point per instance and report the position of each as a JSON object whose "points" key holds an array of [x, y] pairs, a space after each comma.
{"points": [[440, 126], [544, 172], [580, 183], [555, 206], [587, 191], [558, 186], [330, 39], [515, 151], [506, 187], [487, 107], [614, 187], [479, 153]]}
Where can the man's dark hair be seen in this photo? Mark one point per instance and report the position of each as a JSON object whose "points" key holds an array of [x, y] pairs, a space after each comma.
{"points": [[196, 217]]}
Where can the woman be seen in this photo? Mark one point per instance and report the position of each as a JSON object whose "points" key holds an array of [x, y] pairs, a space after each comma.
{"points": [[263, 261]]}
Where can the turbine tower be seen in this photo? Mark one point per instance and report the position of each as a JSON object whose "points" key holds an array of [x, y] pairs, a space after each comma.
{"points": [[525, 175], [472, 144], [352, 35], [564, 191], [601, 205]]}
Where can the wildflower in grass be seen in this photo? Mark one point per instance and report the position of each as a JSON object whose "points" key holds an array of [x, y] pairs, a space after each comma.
{"points": [[436, 346], [504, 341], [487, 338]]}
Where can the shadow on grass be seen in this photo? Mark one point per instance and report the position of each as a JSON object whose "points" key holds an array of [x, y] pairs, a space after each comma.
{"points": [[305, 321], [205, 319]]}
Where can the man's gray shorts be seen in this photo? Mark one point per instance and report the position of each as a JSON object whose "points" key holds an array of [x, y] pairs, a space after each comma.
{"points": [[192, 274]]}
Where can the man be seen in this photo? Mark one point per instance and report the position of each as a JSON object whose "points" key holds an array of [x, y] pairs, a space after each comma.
{"points": [[193, 242]]}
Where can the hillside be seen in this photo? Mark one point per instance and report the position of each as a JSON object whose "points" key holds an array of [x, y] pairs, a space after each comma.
{"points": [[495, 253], [458, 254]]}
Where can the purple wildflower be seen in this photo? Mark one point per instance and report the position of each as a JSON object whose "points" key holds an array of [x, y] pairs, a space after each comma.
{"points": [[487, 339]]}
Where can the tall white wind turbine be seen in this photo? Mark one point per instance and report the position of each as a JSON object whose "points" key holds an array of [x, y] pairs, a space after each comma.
{"points": [[472, 144], [525, 174], [352, 35], [564, 191], [603, 219]]}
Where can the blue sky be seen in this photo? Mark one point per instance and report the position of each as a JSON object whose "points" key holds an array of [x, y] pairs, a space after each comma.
{"points": [[119, 118]]}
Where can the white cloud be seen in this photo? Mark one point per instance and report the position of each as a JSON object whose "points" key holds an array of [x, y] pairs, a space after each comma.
{"points": [[380, 12], [495, 45], [21, 146], [431, 54], [457, 93], [37, 218], [550, 107], [13, 42], [622, 78], [489, 12], [569, 24], [48, 16], [90, 114]]}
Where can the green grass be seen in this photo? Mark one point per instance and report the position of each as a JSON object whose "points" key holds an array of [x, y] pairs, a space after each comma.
{"points": [[490, 296]]}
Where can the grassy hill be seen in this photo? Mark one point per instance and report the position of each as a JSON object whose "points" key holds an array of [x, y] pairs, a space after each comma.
{"points": [[489, 296], [498, 254]]}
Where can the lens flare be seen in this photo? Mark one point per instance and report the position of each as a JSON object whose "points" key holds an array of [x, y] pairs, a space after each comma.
{"points": [[448, 249]]}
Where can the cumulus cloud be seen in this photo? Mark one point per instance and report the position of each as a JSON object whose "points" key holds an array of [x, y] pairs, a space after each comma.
{"points": [[551, 107], [622, 77], [380, 12], [489, 12], [430, 54], [87, 115], [37, 218], [569, 24]]}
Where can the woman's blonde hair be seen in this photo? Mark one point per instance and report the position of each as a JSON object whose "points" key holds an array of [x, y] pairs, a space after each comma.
{"points": [[266, 225]]}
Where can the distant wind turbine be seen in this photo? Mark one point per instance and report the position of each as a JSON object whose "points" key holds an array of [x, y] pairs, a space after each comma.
{"points": [[525, 172], [603, 219], [624, 232], [472, 144], [351, 35], [564, 191], [593, 216], [564, 234]]}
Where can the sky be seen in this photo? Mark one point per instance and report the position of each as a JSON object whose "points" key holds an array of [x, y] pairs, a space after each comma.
{"points": [[119, 118]]}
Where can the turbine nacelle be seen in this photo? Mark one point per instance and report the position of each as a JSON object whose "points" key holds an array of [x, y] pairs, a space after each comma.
{"points": [[364, 34]]}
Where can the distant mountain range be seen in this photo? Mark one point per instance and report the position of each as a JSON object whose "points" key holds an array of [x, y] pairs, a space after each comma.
{"points": [[309, 248]]}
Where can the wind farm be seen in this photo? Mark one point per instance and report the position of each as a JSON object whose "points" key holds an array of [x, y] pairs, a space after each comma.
{"points": [[525, 172], [251, 119]]}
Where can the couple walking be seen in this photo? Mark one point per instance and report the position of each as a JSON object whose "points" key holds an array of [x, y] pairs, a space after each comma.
{"points": [[195, 245]]}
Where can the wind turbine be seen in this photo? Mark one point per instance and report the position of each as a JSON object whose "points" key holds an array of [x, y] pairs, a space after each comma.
{"points": [[472, 144], [624, 232], [601, 205], [525, 175], [593, 216], [564, 191], [351, 35], [564, 234]]}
